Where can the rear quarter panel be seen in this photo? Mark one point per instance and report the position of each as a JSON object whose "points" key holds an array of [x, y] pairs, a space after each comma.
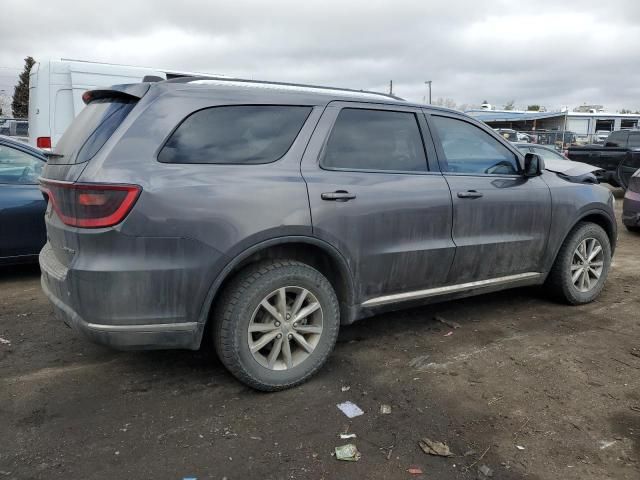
{"points": [[224, 208]]}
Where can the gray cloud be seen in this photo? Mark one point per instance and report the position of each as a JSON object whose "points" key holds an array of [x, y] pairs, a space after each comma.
{"points": [[548, 52]]}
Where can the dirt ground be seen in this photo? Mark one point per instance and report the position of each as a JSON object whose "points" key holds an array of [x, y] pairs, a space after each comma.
{"points": [[529, 388]]}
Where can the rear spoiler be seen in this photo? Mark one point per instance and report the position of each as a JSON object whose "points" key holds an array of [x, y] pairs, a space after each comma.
{"points": [[130, 91]]}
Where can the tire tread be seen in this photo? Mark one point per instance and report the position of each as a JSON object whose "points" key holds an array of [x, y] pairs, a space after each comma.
{"points": [[231, 298]]}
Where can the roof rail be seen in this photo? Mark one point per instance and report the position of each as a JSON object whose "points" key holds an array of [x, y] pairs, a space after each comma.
{"points": [[204, 80]]}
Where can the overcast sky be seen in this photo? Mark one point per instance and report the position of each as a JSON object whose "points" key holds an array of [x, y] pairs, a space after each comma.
{"points": [[553, 53]]}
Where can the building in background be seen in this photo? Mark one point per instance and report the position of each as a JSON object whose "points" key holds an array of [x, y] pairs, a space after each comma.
{"points": [[591, 126]]}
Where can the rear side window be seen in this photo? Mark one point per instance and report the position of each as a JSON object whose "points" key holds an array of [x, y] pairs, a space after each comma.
{"points": [[617, 139], [91, 129], [634, 140], [364, 139], [240, 134]]}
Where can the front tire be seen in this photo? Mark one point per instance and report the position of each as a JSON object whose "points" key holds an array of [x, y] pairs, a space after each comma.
{"points": [[582, 265], [276, 324]]}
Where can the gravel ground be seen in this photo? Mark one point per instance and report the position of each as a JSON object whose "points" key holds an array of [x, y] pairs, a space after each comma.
{"points": [[527, 387]]}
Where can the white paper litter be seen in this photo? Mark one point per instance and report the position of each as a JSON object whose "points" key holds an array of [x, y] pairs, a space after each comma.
{"points": [[350, 409], [4, 341], [344, 436]]}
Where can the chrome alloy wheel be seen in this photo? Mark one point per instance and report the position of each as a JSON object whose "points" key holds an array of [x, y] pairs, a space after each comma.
{"points": [[285, 328], [587, 264]]}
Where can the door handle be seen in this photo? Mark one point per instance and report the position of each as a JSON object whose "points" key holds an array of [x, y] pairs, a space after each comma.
{"points": [[469, 194], [338, 196]]}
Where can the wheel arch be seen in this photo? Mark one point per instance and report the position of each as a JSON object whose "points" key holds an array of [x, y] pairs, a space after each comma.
{"points": [[602, 219], [316, 253], [599, 217]]}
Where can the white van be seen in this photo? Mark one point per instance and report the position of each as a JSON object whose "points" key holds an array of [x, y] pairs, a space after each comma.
{"points": [[56, 88]]}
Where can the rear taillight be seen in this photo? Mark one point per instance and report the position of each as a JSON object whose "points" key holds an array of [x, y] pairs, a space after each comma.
{"points": [[43, 142], [90, 205]]}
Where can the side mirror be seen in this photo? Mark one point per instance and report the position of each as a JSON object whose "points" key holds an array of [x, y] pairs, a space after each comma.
{"points": [[533, 165]]}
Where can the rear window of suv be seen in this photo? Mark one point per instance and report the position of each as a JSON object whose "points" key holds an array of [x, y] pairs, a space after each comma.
{"points": [[239, 134], [91, 129]]}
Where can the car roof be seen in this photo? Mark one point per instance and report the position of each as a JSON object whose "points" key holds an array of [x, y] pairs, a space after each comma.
{"points": [[4, 140], [285, 92]]}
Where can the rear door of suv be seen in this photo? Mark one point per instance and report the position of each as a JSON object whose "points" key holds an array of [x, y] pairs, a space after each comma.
{"points": [[501, 218], [377, 195]]}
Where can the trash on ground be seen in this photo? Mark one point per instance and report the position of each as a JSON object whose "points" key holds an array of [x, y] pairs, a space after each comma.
{"points": [[344, 436], [435, 448], [448, 323], [519, 447], [606, 444], [348, 453], [4, 341], [350, 409], [448, 334], [346, 388], [385, 409], [415, 471], [419, 362], [485, 472]]}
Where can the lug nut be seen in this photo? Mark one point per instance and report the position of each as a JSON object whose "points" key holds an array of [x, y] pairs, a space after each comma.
{"points": [[288, 316], [277, 324], [295, 325], [279, 335], [290, 336]]}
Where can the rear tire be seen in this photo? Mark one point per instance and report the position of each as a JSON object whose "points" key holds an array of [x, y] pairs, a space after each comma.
{"points": [[262, 331], [582, 265]]}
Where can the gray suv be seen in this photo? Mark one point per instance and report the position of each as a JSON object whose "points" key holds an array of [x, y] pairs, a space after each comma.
{"points": [[264, 216]]}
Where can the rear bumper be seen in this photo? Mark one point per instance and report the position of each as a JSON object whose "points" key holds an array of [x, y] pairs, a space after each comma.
{"points": [[127, 337], [631, 209], [133, 300]]}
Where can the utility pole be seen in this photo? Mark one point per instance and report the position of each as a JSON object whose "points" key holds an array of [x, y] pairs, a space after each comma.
{"points": [[428, 82], [390, 87]]}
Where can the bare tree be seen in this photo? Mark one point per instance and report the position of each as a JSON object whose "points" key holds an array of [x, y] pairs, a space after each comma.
{"points": [[445, 102]]}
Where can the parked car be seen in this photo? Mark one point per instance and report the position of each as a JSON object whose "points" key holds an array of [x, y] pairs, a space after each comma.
{"points": [[631, 204], [554, 161], [619, 157], [524, 137], [267, 215], [601, 136], [509, 134], [22, 207], [19, 129]]}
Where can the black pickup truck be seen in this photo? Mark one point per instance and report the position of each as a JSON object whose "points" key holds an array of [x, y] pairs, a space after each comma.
{"points": [[619, 157]]}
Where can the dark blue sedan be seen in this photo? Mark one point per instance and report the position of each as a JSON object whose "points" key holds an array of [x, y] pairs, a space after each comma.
{"points": [[22, 206]]}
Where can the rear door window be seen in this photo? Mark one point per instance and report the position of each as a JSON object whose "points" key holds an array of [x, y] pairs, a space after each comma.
{"points": [[634, 140], [375, 140], [91, 129], [617, 139], [238, 134]]}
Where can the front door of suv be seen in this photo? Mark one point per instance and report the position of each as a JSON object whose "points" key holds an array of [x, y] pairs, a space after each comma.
{"points": [[501, 218], [379, 198]]}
